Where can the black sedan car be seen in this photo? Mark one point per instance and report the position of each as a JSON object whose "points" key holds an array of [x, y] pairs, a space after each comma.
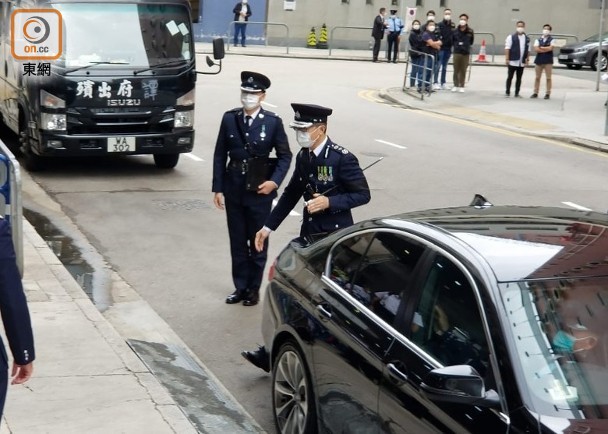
{"points": [[473, 319]]}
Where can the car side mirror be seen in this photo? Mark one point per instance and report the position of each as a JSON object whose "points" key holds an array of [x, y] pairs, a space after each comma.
{"points": [[460, 384], [218, 54]]}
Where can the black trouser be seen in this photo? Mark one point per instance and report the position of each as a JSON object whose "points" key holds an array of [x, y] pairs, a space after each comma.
{"points": [[3, 386], [393, 46], [519, 71], [243, 223], [376, 51]]}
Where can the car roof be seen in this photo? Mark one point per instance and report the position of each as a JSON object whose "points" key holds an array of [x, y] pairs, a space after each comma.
{"points": [[522, 243]]}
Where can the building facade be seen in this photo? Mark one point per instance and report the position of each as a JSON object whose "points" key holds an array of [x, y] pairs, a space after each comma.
{"points": [[349, 21]]}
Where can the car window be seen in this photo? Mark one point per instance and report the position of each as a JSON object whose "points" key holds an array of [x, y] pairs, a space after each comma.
{"points": [[375, 269], [447, 322]]}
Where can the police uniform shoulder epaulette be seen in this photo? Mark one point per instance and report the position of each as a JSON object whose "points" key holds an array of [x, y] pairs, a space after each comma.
{"points": [[338, 148], [234, 110], [273, 114]]}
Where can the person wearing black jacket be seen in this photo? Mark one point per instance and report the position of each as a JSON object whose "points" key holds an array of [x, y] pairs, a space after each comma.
{"points": [[416, 56], [378, 30], [15, 317], [247, 136], [462, 39], [432, 44], [446, 30], [242, 12]]}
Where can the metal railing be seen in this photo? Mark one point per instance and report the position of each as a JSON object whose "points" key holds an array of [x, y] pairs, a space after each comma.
{"points": [[333, 29], [10, 190], [427, 67], [265, 23]]}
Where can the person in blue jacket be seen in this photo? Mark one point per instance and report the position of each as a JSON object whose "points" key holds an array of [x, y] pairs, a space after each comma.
{"points": [[246, 134], [326, 175], [15, 317]]}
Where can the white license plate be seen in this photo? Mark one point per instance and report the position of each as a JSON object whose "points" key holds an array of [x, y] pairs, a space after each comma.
{"points": [[563, 56], [121, 144]]}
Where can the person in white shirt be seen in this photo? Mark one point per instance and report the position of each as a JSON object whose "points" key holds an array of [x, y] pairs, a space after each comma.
{"points": [[543, 60], [517, 55]]}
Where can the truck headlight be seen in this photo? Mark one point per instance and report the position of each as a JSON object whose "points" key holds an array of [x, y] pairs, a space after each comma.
{"points": [[186, 99], [184, 119], [52, 121]]}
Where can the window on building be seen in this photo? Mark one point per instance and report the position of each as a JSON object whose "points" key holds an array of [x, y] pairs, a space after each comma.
{"points": [[394, 2], [345, 1], [419, 2], [443, 3], [369, 2]]}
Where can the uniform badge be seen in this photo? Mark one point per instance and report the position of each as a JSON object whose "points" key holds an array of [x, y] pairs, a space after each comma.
{"points": [[330, 178], [263, 133]]}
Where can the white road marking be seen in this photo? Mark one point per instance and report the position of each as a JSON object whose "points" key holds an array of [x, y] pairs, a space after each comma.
{"points": [[575, 206], [268, 104], [194, 157], [390, 144], [291, 213]]}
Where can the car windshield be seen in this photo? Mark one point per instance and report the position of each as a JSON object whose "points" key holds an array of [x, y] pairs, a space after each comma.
{"points": [[595, 38], [110, 34], [560, 330]]}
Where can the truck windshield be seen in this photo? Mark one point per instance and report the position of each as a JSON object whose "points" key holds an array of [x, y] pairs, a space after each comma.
{"points": [[111, 34]]}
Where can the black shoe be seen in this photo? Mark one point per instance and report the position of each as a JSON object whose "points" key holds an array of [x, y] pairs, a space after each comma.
{"points": [[517, 95], [235, 297], [507, 93], [547, 96], [258, 358], [534, 95], [251, 299], [394, 61]]}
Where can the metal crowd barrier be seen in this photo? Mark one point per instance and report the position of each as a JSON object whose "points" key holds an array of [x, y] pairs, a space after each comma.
{"points": [[426, 70], [10, 201], [266, 23]]}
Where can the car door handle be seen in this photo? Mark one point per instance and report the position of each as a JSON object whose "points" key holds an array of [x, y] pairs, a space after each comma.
{"points": [[395, 373], [323, 312]]}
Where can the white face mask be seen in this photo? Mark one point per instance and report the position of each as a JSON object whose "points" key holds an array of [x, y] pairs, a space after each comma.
{"points": [[250, 101], [447, 17], [430, 17], [462, 23], [304, 138], [416, 27], [431, 28], [546, 32], [520, 30]]}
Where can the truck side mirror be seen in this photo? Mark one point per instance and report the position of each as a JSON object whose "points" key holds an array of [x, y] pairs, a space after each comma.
{"points": [[218, 54]]}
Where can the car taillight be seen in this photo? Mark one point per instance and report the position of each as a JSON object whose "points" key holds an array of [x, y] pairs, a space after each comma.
{"points": [[271, 270]]}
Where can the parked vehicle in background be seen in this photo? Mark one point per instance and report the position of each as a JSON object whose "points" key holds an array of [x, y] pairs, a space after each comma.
{"points": [[123, 84], [475, 319], [585, 53]]}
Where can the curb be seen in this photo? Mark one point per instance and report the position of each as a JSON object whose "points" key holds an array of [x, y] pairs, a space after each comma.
{"points": [[577, 141]]}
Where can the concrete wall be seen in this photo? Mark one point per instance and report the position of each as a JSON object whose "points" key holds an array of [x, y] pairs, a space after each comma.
{"points": [[577, 17]]}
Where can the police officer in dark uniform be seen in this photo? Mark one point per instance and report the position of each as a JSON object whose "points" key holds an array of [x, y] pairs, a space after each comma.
{"points": [[15, 316], [328, 177], [247, 136]]}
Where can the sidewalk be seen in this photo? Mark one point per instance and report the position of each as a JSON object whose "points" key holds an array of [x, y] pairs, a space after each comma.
{"points": [[99, 372], [574, 114]]}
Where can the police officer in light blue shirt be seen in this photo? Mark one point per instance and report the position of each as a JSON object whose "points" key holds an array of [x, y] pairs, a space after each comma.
{"points": [[394, 29]]}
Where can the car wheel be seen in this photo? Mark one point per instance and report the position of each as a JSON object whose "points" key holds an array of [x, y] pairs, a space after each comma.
{"points": [[603, 62], [292, 396], [166, 161], [577, 67], [31, 161], [569, 66]]}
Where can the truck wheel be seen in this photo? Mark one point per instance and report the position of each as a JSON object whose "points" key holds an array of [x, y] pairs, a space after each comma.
{"points": [[166, 161], [31, 161]]}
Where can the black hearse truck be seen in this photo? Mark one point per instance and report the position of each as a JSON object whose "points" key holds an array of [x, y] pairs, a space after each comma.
{"points": [[123, 84]]}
